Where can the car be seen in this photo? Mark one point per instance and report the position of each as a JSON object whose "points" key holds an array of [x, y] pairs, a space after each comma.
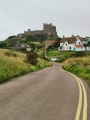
{"points": [[53, 59]]}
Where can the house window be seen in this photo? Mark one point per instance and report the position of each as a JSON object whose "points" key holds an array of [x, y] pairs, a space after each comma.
{"points": [[66, 44], [79, 43], [70, 48]]}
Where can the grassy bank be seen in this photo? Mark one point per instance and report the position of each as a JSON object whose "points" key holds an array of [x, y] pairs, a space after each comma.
{"points": [[53, 53], [79, 66], [13, 64], [61, 56]]}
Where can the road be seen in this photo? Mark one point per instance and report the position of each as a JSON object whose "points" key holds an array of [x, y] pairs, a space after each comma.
{"points": [[48, 94]]}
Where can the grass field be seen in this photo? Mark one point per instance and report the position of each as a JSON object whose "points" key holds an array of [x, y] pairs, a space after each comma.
{"points": [[79, 66], [13, 64], [53, 53], [61, 56], [73, 63]]}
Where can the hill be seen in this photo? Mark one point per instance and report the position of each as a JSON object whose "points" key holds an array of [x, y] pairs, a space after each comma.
{"points": [[13, 64], [79, 66], [13, 41]]}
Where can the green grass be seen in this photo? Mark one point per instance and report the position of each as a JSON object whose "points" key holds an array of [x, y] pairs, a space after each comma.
{"points": [[53, 53], [38, 45], [79, 66], [41, 53], [62, 56], [15, 65]]}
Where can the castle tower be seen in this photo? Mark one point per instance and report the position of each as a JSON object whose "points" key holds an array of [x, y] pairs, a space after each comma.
{"points": [[49, 29]]}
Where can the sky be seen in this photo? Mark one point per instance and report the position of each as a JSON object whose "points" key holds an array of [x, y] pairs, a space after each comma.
{"points": [[71, 17]]}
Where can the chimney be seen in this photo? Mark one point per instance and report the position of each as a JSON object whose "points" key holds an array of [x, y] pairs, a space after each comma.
{"points": [[63, 36], [72, 36]]}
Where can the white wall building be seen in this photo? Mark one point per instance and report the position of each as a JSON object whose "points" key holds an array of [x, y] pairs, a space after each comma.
{"points": [[71, 44]]}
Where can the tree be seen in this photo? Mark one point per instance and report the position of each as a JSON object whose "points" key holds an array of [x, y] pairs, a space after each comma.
{"points": [[31, 38], [32, 45], [49, 47], [2, 44], [57, 42], [32, 58]]}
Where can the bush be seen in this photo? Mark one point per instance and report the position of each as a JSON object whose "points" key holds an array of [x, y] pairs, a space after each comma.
{"points": [[50, 47], [32, 58], [10, 54], [32, 45], [78, 54], [39, 46], [2, 44], [61, 59]]}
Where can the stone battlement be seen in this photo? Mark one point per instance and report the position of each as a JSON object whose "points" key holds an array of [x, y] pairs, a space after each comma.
{"points": [[48, 30]]}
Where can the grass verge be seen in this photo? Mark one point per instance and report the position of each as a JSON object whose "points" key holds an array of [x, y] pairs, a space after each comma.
{"points": [[61, 56], [79, 66], [13, 64]]}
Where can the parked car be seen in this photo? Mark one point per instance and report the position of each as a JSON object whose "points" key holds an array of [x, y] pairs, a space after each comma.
{"points": [[53, 59]]}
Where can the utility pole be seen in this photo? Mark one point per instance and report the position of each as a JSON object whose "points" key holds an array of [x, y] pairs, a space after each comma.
{"points": [[45, 51]]}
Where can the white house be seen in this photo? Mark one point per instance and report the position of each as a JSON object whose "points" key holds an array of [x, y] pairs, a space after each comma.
{"points": [[88, 47], [87, 43], [72, 44], [28, 48]]}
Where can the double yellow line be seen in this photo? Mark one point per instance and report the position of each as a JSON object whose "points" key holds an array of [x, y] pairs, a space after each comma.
{"points": [[82, 95]]}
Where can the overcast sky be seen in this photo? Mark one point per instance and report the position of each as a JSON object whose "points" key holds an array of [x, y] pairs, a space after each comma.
{"points": [[69, 16]]}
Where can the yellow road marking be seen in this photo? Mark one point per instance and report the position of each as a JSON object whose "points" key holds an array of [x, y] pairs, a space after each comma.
{"points": [[80, 84], [85, 102], [77, 117]]}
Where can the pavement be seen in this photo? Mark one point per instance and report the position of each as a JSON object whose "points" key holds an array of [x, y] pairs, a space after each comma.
{"points": [[48, 94]]}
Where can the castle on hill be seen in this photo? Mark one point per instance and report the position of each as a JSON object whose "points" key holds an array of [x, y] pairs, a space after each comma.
{"points": [[48, 30]]}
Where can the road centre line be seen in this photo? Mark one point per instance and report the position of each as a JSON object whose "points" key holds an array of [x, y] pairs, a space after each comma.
{"points": [[81, 88], [85, 102], [80, 101]]}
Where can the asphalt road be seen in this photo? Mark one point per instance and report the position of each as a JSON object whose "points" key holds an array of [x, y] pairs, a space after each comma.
{"points": [[48, 94]]}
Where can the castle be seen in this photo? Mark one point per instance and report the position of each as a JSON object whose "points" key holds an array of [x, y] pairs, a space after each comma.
{"points": [[48, 30]]}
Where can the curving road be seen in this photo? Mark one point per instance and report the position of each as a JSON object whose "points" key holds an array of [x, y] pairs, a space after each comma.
{"points": [[48, 94]]}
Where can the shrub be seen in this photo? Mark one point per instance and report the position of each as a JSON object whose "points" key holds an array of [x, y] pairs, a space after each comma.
{"points": [[61, 59], [50, 47], [78, 54], [32, 58], [2, 44], [10, 54], [32, 45], [14, 66]]}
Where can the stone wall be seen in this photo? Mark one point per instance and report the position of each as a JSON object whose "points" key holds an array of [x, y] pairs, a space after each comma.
{"points": [[48, 30]]}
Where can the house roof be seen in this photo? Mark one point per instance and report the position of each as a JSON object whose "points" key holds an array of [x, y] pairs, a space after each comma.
{"points": [[70, 40], [27, 46], [49, 41], [82, 39], [79, 46]]}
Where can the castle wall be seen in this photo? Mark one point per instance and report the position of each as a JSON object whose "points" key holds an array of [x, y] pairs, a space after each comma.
{"points": [[48, 29], [37, 32]]}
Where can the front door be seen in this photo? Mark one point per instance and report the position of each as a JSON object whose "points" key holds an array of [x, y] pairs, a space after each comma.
{"points": [[74, 49]]}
